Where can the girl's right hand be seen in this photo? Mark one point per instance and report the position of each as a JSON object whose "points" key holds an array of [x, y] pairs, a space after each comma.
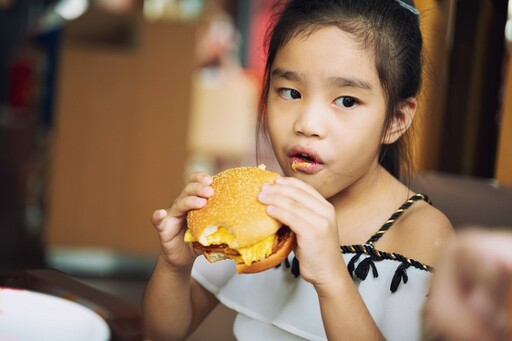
{"points": [[171, 224]]}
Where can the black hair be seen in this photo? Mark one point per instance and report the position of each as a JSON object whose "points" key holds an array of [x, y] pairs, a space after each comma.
{"points": [[386, 27]]}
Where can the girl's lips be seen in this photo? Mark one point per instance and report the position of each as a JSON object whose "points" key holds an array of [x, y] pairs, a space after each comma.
{"points": [[305, 160]]}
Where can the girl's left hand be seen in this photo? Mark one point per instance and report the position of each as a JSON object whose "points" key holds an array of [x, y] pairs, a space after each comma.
{"points": [[313, 219]]}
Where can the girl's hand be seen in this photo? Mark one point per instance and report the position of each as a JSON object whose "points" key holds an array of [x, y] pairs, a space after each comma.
{"points": [[313, 220], [470, 294], [171, 223]]}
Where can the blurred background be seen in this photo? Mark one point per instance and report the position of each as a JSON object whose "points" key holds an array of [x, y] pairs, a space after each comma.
{"points": [[107, 105]]}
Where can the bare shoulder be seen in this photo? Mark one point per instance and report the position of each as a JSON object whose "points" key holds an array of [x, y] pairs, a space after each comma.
{"points": [[420, 233]]}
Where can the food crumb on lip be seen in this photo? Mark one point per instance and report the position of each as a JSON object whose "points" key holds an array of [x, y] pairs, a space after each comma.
{"points": [[299, 164]]}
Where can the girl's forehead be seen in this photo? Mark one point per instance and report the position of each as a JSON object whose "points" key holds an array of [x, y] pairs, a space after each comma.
{"points": [[327, 49]]}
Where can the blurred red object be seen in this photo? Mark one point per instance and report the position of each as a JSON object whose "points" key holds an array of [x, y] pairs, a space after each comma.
{"points": [[21, 82]]}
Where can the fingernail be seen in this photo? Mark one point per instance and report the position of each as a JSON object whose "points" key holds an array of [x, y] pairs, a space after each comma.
{"points": [[265, 187], [270, 209], [262, 197], [207, 180], [208, 191], [200, 201], [280, 180]]}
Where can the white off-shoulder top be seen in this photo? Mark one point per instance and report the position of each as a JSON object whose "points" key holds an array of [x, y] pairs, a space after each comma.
{"points": [[278, 304]]}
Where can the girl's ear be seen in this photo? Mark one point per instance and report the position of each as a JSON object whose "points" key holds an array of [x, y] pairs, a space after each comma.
{"points": [[401, 121]]}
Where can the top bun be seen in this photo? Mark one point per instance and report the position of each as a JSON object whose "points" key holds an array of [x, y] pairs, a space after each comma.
{"points": [[235, 206]]}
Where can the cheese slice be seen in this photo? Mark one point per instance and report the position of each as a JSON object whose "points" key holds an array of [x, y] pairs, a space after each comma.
{"points": [[257, 251], [248, 254]]}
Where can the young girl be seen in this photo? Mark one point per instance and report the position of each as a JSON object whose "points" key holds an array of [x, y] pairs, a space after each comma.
{"points": [[340, 91]]}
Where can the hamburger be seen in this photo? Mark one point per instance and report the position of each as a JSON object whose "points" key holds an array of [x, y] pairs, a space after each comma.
{"points": [[234, 224]]}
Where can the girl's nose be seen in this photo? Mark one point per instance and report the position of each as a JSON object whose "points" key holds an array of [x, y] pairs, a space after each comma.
{"points": [[310, 121]]}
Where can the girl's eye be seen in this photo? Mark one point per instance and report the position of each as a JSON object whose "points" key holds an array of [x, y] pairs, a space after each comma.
{"points": [[346, 102], [289, 93]]}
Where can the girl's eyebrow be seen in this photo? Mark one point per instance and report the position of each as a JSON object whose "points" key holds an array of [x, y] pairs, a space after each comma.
{"points": [[286, 74], [340, 82], [343, 82]]}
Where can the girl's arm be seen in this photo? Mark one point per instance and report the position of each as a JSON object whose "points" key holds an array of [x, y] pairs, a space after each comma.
{"points": [[173, 303], [313, 219], [344, 312]]}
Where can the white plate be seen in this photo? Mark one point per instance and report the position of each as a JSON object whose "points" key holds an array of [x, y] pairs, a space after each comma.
{"points": [[28, 315]]}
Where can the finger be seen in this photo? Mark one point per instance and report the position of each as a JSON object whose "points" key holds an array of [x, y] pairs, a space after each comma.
{"points": [[201, 177], [296, 219], [299, 184], [164, 225], [292, 198], [275, 193], [183, 205], [311, 222], [199, 185], [198, 189], [194, 196], [157, 219]]}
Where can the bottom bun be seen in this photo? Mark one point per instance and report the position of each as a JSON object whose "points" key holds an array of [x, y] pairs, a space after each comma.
{"points": [[284, 249]]}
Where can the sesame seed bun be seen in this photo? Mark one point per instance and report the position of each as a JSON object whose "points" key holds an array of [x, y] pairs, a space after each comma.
{"points": [[235, 207]]}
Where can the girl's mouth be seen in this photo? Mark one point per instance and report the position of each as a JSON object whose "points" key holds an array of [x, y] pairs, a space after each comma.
{"points": [[304, 161]]}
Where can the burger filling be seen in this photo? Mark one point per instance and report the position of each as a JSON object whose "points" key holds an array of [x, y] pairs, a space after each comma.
{"points": [[222, 238]]}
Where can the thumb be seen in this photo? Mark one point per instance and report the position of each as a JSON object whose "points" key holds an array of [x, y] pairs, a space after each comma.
{"points": [[158, 219]]}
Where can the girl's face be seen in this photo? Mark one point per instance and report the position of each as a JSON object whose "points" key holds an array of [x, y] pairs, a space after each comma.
{"points": [[326, 110]]}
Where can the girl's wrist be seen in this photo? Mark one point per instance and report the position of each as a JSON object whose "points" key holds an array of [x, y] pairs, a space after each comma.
{"points": [[334, 284], [168, 267]]}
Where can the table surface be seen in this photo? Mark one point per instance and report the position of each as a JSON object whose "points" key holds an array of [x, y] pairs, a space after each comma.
{"points": [[122, 317]]}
